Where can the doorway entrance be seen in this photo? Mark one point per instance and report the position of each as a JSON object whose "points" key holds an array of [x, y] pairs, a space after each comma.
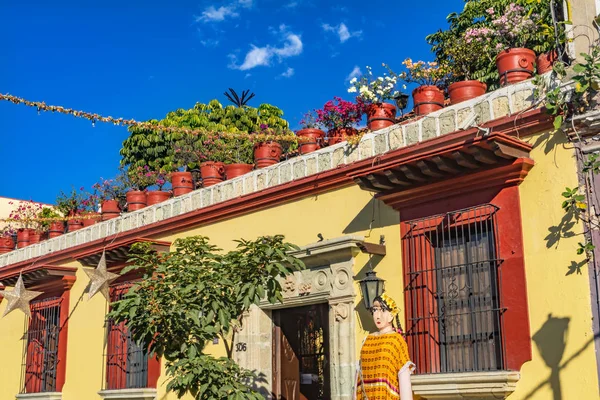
{"points": [[301, 353]]}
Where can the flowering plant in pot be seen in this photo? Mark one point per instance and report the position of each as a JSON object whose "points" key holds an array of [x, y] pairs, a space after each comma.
{"points": [[111, 195], [373, 93], [24, 214], [90, 206], [7, 239], [310, 133], [51, 222], [431, 77], [340, 117], [70, 205], [509, 37], [160, 178], [138, 178]]}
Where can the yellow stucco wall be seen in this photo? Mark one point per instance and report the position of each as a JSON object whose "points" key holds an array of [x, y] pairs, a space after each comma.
{"points": [[349, 211]]}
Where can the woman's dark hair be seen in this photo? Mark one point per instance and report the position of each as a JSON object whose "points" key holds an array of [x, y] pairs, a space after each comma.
{"points": [[386, 307]]}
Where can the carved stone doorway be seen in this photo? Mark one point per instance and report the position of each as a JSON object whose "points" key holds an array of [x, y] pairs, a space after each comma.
{"points": [[301, 353]]}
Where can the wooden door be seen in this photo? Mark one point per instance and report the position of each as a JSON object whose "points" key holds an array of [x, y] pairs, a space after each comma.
{"points": [[300, 366]]}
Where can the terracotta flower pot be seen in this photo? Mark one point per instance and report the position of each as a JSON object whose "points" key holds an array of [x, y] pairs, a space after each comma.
{"points": [[91, 218], [339, 135], [235, 170], [212, 172], [427, 99], [57, 228], [182, 183], [157, 196], [23, 237], [544, 62], [7, 244], [267, 153], [380, 115], [515, 65], [465, 90], [314, 139], [110, 209], [74, 224], [35, 237], [136, 200]]}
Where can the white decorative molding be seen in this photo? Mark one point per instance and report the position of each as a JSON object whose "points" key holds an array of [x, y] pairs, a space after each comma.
{"points": [[466, 385], [327, 279], [40, 396], [128, 394]]}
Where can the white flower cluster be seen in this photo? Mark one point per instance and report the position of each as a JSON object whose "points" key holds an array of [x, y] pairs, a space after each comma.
{"points": [[374, 90]]}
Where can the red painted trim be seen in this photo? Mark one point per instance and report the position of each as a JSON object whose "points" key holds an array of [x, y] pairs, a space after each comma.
{"points": [[531, 121], [61, 367], [153, 372], [512, 280]]}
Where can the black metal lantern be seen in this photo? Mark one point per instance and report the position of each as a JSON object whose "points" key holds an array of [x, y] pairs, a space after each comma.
{"points": [[371, 287]]}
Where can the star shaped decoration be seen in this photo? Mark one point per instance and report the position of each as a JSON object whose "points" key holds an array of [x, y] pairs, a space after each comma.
{"points": [[100, 278], [19, 298]]}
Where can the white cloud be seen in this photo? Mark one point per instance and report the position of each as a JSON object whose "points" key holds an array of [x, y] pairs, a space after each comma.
{"points": [[288, 73], [292, 4], [248, 75], [262, 56], [212, 14], [210, 43], [245, 3], [356, 72], [342, 31]]}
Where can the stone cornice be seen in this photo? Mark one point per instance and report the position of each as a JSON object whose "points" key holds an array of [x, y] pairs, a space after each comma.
{"points": [[467, 385]]}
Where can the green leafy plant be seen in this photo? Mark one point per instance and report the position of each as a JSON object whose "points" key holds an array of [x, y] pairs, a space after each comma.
{"points": [[155, 148], [70, 203], [47, 213], [195, 293]]}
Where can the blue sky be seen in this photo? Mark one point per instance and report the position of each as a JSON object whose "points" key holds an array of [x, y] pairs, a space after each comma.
{"points": [[142, 59]]}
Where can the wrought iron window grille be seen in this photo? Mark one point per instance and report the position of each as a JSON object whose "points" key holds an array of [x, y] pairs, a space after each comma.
{"points": [[453, 305], [40, 346]]}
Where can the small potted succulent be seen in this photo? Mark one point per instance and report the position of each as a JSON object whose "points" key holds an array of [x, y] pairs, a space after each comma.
{"points": [[340, 117], [25, 215], [431, 77], [7, 239], [373, 93], [70, 205], [111, 195], [311, 134], [159, 179]]}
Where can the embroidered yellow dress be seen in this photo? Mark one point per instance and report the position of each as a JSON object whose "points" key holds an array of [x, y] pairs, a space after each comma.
{"points": [[382, 358]]}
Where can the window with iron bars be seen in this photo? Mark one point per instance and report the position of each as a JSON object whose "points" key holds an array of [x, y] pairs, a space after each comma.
{"points": [[38, 373], [454, 317], [126, 362]]}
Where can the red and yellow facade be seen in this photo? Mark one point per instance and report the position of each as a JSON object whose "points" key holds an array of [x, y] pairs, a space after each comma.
{"points": [[388, 192]]}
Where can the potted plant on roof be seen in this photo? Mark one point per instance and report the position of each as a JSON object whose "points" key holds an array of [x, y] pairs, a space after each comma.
{"points": [[509, 37], [340, 117], [7, 239], [70, 205], [89, 209], [373, 93], [24, 214], [111, 195], [185, 160], [268, 147], [311, 134], [464, 61], [139, 178], [238, 155], [432, 78], [159, 179], [51, 222]]}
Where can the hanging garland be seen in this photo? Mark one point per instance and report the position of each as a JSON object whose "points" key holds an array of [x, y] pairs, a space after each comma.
{"points": [[94, 117]]}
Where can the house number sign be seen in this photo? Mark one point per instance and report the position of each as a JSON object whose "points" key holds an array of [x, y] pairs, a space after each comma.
{"points": [[241, 347]]}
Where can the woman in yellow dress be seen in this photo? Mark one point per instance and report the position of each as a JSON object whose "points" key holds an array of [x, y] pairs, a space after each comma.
{"points": [[385, 367]]}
